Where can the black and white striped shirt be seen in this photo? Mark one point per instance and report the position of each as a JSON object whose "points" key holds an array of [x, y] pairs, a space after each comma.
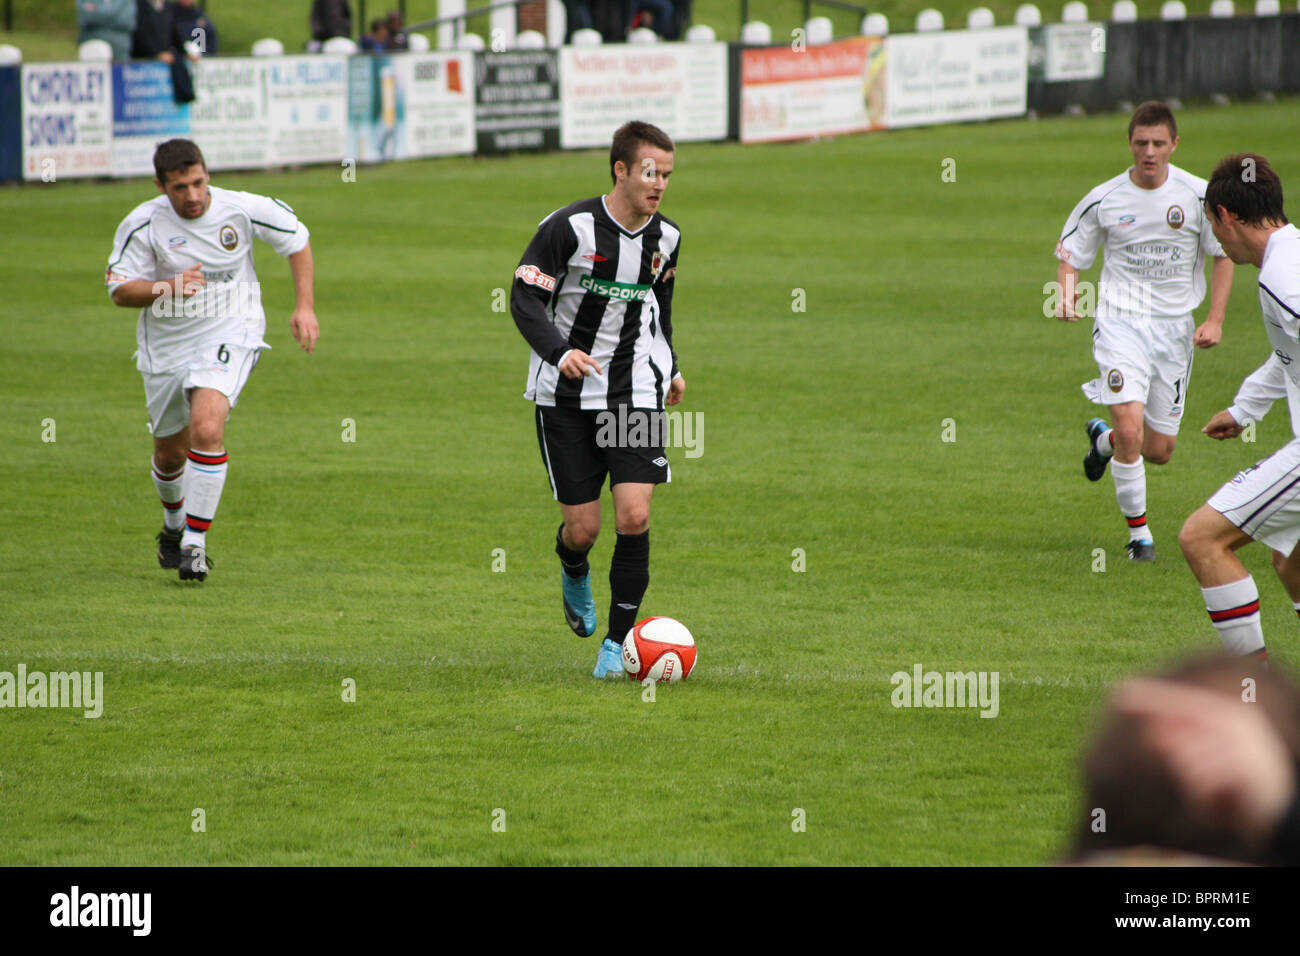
{"points": [[586, 283]]}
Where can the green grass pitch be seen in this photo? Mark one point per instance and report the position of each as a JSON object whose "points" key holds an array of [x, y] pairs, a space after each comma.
{"points": [[372, 560]]}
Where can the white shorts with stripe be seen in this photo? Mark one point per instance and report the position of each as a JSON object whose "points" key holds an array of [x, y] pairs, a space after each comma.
{"points": [[1264, 499], [1147, 361], [219, 366]]}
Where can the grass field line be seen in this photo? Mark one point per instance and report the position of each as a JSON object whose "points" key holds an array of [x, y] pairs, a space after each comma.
{"points": [[839, 675]]}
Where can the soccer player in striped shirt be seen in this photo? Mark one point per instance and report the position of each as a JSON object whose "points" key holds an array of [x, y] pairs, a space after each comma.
{"points": [[1151, 221], [1262, 503], [593, 298], [185, 261]]}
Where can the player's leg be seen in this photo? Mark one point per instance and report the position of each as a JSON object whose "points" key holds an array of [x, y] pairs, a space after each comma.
{"points": [[169, 423], [215, 383], [208, 466], [1261, 503], [1209, 542], [576, 473], [1171, 371], [1288, 572], [1123, 353], [1129, 474], [636, 465]]}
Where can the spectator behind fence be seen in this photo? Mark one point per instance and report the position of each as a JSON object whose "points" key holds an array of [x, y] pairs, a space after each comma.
{"points": [[396, 31], [577, 16], [1204, 760], [378, 39], [157, 35], [612, 18], [196, 27], [658, 15], [110, 20], [330, 18]]}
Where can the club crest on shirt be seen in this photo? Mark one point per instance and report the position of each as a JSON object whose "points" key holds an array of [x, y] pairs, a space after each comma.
{"points": [[229, 238], [1175, 217], [1115, 380], [657, 261]]}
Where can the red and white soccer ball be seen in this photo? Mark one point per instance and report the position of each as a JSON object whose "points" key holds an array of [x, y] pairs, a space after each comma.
{"points": [[659, 648]]}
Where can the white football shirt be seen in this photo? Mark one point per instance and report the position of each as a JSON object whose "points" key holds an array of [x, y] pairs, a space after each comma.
{"points": [[1156, 241], [153, 243], [1279, 300]]}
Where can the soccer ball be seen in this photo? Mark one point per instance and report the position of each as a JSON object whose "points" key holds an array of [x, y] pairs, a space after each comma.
{"points": [[659, 648]]}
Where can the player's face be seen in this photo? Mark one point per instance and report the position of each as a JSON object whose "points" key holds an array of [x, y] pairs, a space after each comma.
{"points": [[1151, 147], [188, 191], [644, 185], [1226, 231]]}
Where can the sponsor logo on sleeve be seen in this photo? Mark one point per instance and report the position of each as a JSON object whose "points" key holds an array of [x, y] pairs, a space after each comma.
{"points": [[535, 276]]}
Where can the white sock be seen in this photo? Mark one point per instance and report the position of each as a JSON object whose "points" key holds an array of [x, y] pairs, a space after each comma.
{"points": [[1103, 445], [171, 489], [1131, 493], [1234, 610], [206, 476]]}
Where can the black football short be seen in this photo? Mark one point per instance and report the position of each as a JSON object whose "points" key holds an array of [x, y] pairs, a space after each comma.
{"points": [[579, 448]]}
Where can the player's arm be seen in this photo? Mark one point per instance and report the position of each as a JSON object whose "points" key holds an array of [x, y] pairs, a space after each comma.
{"points": [[142, 293], [303, 324], [276, 224], [677, 384], [1081, 238], [1210, 331], [1258, 392], [1067, 280], [536, 280]]}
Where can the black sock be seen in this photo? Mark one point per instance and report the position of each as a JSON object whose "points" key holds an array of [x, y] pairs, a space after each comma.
{"points": [[575, 562], [629, 576]]}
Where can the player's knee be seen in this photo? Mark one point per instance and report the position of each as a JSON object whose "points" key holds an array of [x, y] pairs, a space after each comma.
{"points": [[207, 435], [582, 535], [1160, 454], [1195, 538], [1282, 566], [1126, 438], [634, 520], [169, 461]]}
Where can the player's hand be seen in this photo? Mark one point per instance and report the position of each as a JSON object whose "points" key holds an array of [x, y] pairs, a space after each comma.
{"points": [[578, 364], [1208, 334], [305, 328], [1065, 312], [675, 390], [1222, 426], [167, 56], [191, 281]]}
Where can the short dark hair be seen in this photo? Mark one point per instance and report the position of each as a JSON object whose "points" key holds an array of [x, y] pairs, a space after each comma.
{"points": [[1141, 796], [1153, 113], [628, 139], [176, 155], [1247, 186]]}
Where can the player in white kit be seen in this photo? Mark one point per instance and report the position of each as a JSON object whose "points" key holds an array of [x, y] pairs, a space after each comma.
{"points": [[1262, 503], [1151, 220], [185, 260]]}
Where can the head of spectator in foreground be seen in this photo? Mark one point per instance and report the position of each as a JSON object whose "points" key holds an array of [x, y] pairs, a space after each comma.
{"points": [[1243, 201], [1201, 760], [181, 174], [394, 21]]}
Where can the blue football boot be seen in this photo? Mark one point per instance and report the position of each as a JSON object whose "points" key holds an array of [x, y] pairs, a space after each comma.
{"points": [[609, 663], [579, 605]]}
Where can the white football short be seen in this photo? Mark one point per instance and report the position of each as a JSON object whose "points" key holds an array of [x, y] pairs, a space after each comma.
{"points": [[1147, 361], [218, 366], [1264, 499]]}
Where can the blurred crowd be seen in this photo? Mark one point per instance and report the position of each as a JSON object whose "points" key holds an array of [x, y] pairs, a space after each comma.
{"points": [[148, 29]]}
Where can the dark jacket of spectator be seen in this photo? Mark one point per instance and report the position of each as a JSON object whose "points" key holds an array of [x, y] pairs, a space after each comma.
{"points": [[190, 17], [330, 18], [155, 30]]}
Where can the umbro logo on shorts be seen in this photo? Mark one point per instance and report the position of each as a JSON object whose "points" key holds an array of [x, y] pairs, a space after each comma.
{"points": [[661, 461]]}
